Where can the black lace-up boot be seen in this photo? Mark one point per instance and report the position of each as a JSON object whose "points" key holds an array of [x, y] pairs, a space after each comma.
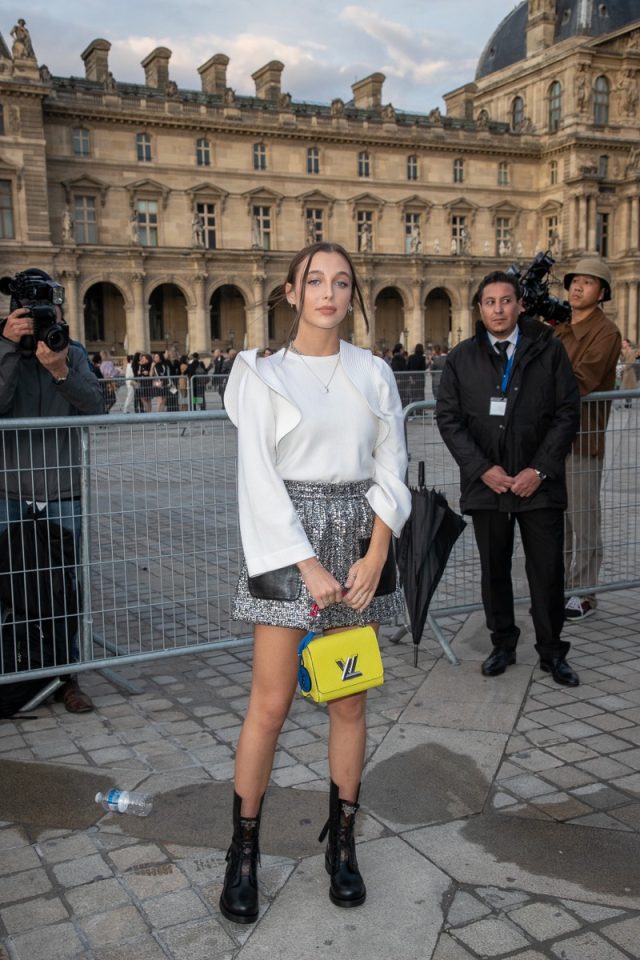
{"points": [[239, 897], [347, 886]]}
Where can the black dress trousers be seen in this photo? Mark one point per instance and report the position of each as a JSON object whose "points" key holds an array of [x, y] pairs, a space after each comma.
{"points": [[542, 534]]}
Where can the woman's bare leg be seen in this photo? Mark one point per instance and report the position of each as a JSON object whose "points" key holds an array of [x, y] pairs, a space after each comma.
{"points": [[273, 684], [347, 741]]}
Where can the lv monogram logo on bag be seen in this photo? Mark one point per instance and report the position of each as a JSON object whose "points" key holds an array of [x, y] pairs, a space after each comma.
{"points": [[349, 668]]}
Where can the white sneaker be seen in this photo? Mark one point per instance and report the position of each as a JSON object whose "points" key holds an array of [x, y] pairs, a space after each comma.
{"points": [[577, 608]]}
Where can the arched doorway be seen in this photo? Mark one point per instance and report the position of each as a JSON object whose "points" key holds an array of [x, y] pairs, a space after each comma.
{"points": [[280, 318], [227, 317], [389, 318], [168, 323], [105, 322], [437, 318]]}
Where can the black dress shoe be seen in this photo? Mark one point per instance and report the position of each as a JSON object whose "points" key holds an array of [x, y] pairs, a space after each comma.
{"points": [[560, 671], [497, 662]]}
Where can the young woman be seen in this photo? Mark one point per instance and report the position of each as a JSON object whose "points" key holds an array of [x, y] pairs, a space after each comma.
{"points": [[321, 465]]}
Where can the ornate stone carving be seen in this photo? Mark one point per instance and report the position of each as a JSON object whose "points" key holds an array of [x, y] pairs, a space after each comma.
{"points": [[388, 112], [582, 88], [415, 239], [45, 73], [67, 226], [134, 230], [337, 107], [22, 48], [197, 230], [627, 89]]}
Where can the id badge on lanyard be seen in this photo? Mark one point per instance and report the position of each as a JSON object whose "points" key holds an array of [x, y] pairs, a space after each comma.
{"points": [[498, 405]]}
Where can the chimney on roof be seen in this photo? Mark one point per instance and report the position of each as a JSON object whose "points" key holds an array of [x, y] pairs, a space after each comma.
{"points": [[267, 80], [213, 74], [96, 60], [541, 26], [368, 92], [156, 68]]}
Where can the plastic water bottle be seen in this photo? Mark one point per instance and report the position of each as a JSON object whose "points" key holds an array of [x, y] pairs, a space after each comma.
{"points": [[126, 801]]}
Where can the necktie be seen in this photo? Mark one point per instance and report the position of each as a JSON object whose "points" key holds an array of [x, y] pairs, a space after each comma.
{"points": [[502, 346]]}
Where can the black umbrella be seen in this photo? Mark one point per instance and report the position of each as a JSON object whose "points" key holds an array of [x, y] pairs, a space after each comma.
{"points": [[423, 550]]}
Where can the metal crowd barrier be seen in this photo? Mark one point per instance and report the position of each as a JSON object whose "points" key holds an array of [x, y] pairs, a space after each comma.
{"points": [[618, 502], [154, 567], [173, 394]]}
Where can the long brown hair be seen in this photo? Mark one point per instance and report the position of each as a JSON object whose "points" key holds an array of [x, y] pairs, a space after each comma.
{"points": [[308, 253]]}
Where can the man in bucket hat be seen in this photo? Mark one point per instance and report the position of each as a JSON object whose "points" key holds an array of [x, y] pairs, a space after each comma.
{"points": [[593, 344]]}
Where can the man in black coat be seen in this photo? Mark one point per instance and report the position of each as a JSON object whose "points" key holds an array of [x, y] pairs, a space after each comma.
{"points": [[508, 409]]}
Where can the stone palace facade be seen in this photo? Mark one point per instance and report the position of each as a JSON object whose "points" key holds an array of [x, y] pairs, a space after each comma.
{"points": [[170, 215]]}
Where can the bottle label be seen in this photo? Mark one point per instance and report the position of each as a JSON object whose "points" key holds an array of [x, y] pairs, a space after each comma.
{"points": [[113, 798]]}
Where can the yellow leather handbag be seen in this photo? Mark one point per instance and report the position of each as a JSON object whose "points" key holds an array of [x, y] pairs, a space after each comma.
{"points": [[339, 664]]}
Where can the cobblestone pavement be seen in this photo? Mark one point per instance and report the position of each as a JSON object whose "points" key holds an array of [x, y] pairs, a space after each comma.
{"points": [[500, 817]]}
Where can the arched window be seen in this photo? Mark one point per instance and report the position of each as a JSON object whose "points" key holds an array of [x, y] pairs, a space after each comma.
{"points": [[601, 102], [555, 106], [517, 113]]}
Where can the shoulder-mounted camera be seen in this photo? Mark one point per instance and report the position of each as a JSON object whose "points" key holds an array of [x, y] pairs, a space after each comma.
{"points": [[41, 295]]}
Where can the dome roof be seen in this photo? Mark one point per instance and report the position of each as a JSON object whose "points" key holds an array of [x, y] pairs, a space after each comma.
{"points": [[573, 18]]}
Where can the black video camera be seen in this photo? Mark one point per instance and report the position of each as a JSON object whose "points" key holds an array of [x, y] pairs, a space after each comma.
{"points": [[536, 299], [37, 291]]}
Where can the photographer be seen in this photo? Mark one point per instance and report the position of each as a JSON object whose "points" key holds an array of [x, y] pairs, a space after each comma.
{"points": [[593, 344], [43, 374]]}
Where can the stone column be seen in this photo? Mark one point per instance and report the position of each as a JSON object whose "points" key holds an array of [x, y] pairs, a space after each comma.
{"points": [[137, 321], [591, 224], [257, 315], [633, 224], [465, 316], [72, 314], [632, 327], [198, 326], [583, 222], [362, 337], [573, 241], [624, 213], [415, 321]]}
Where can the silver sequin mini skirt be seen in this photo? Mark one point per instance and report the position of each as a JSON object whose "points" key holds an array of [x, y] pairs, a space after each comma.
{"points": [[336, 517]]}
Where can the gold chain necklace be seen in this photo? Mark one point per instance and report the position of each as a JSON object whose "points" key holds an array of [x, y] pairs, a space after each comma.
{"points": [[325, 386]]}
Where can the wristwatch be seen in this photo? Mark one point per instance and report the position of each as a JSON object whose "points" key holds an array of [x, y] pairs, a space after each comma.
{"points": [[58, 380], [539, 474]]}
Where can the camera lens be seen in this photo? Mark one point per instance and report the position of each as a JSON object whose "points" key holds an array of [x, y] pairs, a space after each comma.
{"points": [[56, 337]]}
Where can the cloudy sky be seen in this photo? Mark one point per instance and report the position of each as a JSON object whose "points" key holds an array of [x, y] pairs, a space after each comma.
{"points": [[424, 47]]}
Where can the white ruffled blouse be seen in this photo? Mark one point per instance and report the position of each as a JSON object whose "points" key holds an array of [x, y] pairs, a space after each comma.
{"points": [[289, 428]]}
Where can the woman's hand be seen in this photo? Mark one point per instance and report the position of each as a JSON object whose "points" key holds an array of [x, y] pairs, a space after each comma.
{"points": [[323, 587], [362, 582]]}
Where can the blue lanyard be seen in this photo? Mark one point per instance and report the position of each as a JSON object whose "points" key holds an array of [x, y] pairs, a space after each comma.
{"points": [[507, 370]]}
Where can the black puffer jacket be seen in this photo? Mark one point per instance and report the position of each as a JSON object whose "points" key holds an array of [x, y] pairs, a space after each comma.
{"points": [[542, 418]]}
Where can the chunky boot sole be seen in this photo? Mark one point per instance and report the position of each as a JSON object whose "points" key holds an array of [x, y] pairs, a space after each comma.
{"points": [[238, 917], [341, 901]]}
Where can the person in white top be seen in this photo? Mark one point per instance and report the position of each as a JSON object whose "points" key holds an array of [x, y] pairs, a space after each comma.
{"points": [[321, 467]]}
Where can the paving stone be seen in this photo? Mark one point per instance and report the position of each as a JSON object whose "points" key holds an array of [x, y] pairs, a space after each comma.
{"points": [[542, 921], [589, 946], [175, 908], [449, 949], [535, 760], [526, 786], [96, 897], [15, 859], [32, 914], [67, 848], [19, 886], [153, 881], [464, 908], [567, 777], [591, 912], [631, 784], [600, 796], [561, 806], [601, 820], [604, 768], [116, 926], [84, 870], [576, 729], [573, 752], [59, 941], [197, 941], [13, 837], [133, 856], [491, 937], [625, 933], [501, 899], [629, 815]]}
